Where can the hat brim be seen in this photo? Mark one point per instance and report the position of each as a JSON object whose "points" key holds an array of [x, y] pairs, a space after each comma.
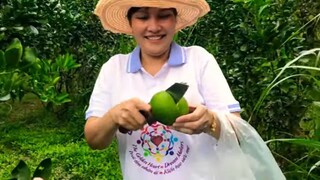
{"points": [[113, 13]]}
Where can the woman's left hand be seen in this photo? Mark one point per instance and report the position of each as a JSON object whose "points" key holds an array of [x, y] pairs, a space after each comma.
{"points": [[195, 122]]}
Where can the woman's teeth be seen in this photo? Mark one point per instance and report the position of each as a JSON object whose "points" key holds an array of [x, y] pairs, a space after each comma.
{"points": [[154, 37]]}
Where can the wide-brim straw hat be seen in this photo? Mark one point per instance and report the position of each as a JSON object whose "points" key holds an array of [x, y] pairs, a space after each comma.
{"points": [[113, 13]]}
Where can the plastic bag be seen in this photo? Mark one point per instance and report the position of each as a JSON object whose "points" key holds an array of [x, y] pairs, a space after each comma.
{"points": [[241, 154]]}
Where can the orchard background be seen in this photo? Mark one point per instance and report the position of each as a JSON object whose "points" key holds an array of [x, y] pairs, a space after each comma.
{"points": [[269, 51]]}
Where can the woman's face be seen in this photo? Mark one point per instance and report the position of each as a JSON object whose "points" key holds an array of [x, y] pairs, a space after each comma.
{"points": [[153, 29]]}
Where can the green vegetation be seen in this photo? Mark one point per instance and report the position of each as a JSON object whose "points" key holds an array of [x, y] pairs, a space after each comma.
{"points": [[268, 50], [31, 133]]}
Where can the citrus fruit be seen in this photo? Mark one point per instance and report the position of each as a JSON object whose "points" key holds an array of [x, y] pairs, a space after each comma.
{"points": [[165, 110]]}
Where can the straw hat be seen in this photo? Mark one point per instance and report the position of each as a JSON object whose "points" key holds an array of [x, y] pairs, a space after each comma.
{"points": [[113, 13]]}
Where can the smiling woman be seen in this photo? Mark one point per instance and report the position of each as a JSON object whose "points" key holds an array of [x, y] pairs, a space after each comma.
{"points": [[153, 29], [127, 82]]}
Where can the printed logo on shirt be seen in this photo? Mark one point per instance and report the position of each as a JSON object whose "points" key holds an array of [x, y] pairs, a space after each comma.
{"points": [[158, 150]]}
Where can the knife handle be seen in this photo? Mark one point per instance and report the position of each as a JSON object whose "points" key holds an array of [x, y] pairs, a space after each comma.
{"points": [[146, 114], [123, 130]]}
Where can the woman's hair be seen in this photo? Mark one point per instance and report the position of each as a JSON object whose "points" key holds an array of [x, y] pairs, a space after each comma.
{"points": [[132, 10]]}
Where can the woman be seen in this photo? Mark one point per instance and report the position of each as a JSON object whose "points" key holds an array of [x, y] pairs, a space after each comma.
{"points": [[127, 82]]}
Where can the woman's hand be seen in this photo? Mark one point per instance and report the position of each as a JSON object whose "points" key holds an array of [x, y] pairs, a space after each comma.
{"points": [[127, 115], [198, 121]]}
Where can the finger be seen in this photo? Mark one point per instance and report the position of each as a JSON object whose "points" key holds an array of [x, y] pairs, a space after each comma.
{"points": [[125, 119], [184, 130], [141, 105], [193, 126], [138, 117], [130, 114], [133, 120], [194, 116]]}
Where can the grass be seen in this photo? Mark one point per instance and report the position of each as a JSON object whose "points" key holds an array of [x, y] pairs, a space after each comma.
{"points": [[30, 133]]}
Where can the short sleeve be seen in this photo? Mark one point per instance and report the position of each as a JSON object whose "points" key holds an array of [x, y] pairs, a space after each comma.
{"points": [[215, 89], [100, 100]]}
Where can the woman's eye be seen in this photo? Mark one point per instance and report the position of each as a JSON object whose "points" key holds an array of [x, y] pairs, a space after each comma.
{"points": [[164, 16], [142, 17]]}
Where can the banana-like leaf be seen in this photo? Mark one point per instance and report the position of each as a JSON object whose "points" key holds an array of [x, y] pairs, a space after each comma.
{"points": [[21, 172], [13, 54], [44, 169]]}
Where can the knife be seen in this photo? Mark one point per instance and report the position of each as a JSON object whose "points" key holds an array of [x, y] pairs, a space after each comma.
{"points": [[177, 90]]}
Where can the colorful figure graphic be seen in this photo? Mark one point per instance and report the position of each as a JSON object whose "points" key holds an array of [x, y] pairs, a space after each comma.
{"points": [[157, 141]]}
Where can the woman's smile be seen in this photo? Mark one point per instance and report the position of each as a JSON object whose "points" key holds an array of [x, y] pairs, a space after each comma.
{"points": [[155, 37]]}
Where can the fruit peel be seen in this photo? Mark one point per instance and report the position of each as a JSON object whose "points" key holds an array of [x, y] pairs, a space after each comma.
{"points": [[164, 108]]}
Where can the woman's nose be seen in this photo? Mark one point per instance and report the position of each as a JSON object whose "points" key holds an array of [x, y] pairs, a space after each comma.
{"points": [[154, 25]]}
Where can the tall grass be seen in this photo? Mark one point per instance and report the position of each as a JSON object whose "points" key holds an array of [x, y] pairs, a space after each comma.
{"points": [[311, 159], [290, 65]]}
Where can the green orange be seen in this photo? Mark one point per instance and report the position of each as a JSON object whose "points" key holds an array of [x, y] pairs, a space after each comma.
{"points": [[164, 108]]}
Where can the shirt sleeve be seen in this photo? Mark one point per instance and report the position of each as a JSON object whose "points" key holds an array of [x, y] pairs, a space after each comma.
{"points": [[100, 100], [215, 89]]}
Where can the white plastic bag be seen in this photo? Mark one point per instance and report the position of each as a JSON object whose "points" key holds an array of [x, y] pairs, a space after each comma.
{"points": [[246, 159]]}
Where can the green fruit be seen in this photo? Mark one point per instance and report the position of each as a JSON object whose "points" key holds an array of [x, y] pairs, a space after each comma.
{"points": [[165, 110]]}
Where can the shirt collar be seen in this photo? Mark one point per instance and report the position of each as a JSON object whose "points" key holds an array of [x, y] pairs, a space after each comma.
{"points": [[177, 57]]}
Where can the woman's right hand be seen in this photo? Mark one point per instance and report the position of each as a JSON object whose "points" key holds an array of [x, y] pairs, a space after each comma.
{"points": [[127, 115]]}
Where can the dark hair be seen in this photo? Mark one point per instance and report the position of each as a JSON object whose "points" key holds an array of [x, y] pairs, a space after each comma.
{"points": [[132, 10]]}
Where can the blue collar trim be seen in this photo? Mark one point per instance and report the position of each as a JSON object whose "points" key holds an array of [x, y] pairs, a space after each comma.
{"points": [[177, 57]]}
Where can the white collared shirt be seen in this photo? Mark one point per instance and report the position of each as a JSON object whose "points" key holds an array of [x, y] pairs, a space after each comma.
{"points": [[156, 152]]}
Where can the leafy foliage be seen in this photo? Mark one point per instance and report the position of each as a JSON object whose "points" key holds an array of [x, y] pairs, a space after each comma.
{"points": [[22, 72], [59, 27], [22, 171], [254, 41], [310, 122]]}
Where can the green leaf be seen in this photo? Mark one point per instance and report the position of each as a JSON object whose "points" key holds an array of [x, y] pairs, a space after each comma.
{"points": [[34, 30], [317, 164], [5, 98], [244, 48], [311, 120], [21, 171], [2, 60], [7, 84], [66, 62], [303, 142], [13, 54], [56, 80], [28, 60], [30, 55], [18, 28], [2, 36], [62, 98], [44, 169], [262, 8]]}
